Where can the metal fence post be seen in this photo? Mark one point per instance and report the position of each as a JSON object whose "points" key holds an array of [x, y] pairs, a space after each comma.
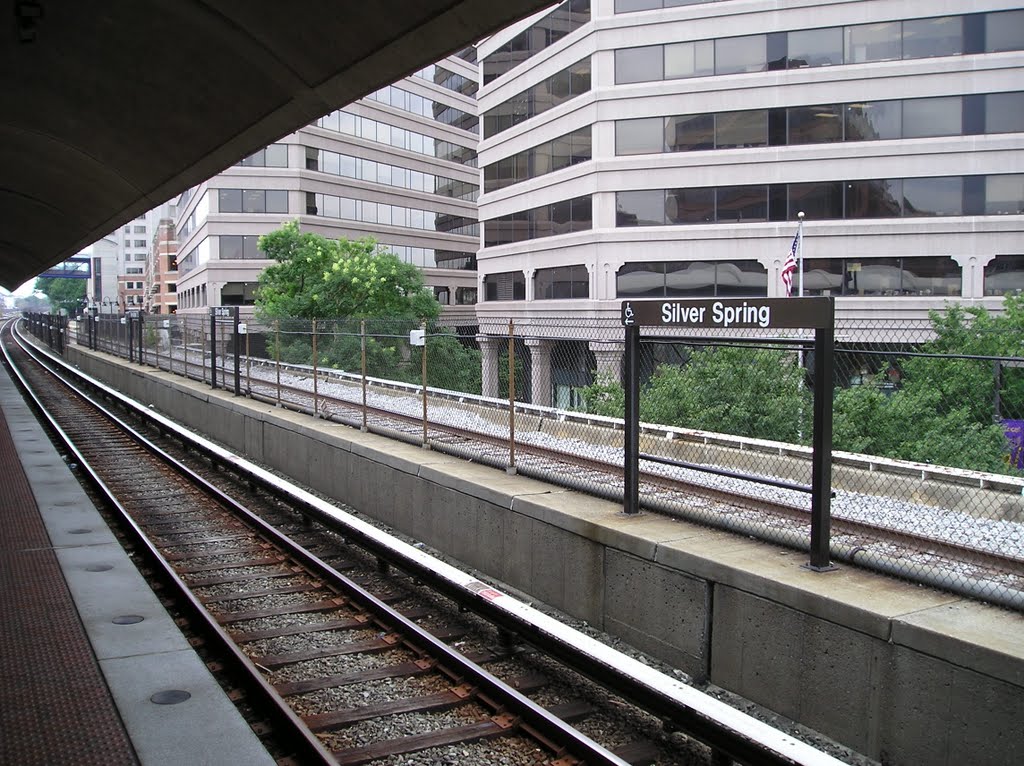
{"points": [[248, 365], [316, 393], [213, 348], [362, 367], [423, 380], [277, 357], [202, 349], [511, 398], [631, 429], [821, 458], [237, 350]]}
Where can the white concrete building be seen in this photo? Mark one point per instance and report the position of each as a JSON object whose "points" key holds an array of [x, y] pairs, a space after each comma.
{"points": [[398, 166], [663, 148]]}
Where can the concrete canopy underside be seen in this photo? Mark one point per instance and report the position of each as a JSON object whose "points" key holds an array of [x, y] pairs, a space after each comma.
{"points": [[112, 108]]}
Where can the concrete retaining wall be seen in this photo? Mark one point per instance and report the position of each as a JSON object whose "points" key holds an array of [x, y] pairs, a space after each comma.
{"points": [[898, 672]]}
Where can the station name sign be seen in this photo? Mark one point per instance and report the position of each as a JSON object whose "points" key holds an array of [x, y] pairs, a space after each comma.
{"points": [[223, 312], [734, 313]]}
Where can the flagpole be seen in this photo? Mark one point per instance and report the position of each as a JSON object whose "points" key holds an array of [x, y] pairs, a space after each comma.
{"points": [[800, 253]]}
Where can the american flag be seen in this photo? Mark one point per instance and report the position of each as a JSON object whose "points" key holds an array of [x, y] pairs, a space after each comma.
{"points": [[790, 265]]}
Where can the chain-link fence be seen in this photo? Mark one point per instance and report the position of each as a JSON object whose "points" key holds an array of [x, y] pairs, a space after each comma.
{"points": [[928, 449]]}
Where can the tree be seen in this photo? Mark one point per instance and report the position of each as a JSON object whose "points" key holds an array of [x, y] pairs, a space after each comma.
{"points": [[945, 410], [65, 294], [605, 396], [33, 303], [747, 392], [316, 277]]}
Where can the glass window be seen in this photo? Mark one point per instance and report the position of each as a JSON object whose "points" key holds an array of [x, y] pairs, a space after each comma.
{"points": [[561, 153], [254, 201], [734, 129], [932, 275], [815, 124], [943, 36], [1004, 31], [690, 205], [507, 286], [741, 203], [465, 296], [638, 64], [1004, 112], [644, 136], [873, 42], [348, 208], [313, 158], [579, 77], [230, 247], [582, 213], [230, 200], [277, 156], [874, 120], [738, 279], [339, 164], [277, 201], [582, 145], [933, 196], [1004, 274], [640, 208], [822, 276], [561, 282], [625, 6], [640, 280], [924, 117], [1004, 195], [822, 200], [815, 47], [695, 278], [696, 59], [873, 199], [690, 132], [876, 276], [740, 54]]}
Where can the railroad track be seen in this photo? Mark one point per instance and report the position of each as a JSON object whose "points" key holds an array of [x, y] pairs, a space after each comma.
{"points": [[358, 666], [749, 508], [660, 489]]}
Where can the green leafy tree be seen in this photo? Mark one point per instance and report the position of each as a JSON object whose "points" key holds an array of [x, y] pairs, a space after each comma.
{"points": [[34, 303], [65, 294], [316, 277], [945, 409], [605, 396], [746, 392], [450, 364]]}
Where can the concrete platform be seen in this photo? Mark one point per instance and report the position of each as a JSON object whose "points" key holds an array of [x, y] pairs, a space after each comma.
{"points": [[899, 672], [84, 643]]}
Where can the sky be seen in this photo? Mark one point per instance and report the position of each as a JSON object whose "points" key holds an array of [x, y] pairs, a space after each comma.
{"points": [[21, 292]]}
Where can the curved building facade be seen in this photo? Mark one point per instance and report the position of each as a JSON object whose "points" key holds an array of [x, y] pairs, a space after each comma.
{"points": [[664, 148], [399, 165]]}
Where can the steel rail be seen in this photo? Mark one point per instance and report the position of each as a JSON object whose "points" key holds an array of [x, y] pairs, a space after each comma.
{"points": [[840, 526], [533, 717], [308, 744], [728, 731]]}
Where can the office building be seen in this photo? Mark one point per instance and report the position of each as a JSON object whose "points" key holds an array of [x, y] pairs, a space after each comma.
{"points": [[399, 166], [636, 149]]}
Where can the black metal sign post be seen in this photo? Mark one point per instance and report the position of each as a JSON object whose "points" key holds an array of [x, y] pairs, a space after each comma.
{"points": [[131, 316], [213, 347], [741, 314], [237, 353], [631, 498], [223, 312]]}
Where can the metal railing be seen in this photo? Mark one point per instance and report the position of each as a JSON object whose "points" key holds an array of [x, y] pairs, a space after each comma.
{"points": [[928, 443]]}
